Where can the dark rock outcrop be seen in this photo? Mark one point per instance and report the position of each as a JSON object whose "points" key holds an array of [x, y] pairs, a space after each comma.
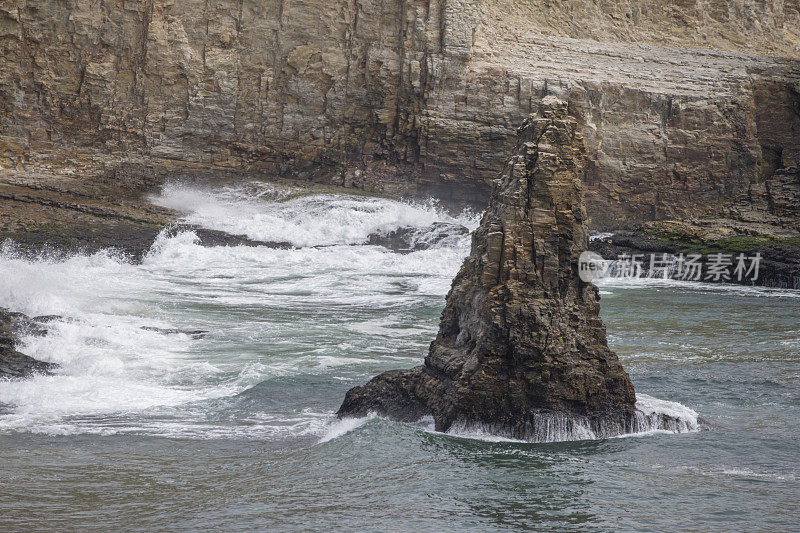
{"points": [[14, 364], [521, 348], [413, 239], [779, 265], [765, 220], [193, 333]]}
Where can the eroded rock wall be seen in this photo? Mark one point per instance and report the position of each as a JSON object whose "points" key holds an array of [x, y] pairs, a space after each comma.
{"points": [[682, 104], [274, 85]]}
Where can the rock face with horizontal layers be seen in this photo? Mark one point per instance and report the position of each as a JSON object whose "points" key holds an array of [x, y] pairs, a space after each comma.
{"points": [[521, 348], [682, 104]]}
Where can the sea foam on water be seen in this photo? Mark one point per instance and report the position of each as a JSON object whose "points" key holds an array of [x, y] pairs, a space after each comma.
{"points": [[116, 376]]}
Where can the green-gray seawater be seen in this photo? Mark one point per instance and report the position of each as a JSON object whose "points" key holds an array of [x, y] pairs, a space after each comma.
{"points": [[142, 430]]}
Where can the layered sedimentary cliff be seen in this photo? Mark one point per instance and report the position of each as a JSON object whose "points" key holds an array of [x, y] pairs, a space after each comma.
{"points": [[521, 348], [682, 104]]}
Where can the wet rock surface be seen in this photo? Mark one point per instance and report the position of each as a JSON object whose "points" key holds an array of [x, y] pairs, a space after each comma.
{"points": [[521, 348], [14, 364], [413, 239], [193, 333], [211, 237]]}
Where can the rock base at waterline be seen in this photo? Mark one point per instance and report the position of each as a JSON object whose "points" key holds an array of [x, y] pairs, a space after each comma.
{"points": [[650, 415]]}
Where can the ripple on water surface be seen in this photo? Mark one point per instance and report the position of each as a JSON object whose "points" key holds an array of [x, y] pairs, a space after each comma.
{"points": [[241, 418]]}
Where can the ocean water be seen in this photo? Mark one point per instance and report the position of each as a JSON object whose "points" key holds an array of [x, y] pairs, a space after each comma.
{"points": [[142, 429]]}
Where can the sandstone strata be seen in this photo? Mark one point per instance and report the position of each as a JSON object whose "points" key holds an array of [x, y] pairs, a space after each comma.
{"points": [[774, 201], [521, 348], [682, 104]]}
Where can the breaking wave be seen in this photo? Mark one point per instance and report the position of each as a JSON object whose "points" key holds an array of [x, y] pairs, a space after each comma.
{"points": [[263, 213], [269, 314]]}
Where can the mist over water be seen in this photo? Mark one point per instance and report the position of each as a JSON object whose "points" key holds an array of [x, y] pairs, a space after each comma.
{"points": [[245, 411]]}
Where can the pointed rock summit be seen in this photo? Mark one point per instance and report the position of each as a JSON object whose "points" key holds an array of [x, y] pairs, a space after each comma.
{"points": [[521, 349]]}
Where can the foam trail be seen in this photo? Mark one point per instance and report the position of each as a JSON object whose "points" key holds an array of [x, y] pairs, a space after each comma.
{"points": [[633, 281]]}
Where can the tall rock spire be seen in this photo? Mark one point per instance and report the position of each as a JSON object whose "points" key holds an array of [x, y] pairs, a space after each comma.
{"points": [[521, 348]]}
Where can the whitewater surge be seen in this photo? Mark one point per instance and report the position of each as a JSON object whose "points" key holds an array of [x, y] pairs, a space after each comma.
{"points": [[269, 313], [276, 320], [652, 416], [264, 213]]}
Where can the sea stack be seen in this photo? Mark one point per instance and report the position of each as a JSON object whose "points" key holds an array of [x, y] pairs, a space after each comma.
{"points": [[521, 349]]}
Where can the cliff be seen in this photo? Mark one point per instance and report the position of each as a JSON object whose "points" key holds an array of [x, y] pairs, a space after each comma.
{"points": [[682, 105], [521, 348]]}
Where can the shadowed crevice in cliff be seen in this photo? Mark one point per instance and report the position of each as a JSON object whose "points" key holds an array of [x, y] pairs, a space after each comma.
{"points": [[521, 349]]}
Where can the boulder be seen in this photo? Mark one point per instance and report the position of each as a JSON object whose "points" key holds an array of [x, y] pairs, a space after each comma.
{"points": [[408, 239]]}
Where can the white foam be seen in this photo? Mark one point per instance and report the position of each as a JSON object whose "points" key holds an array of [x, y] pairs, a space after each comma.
{"points": [[653, 406], [343, 426], [748, 473], [114, 375], [653, 416], [319, 220], [345, 273], [669, 283]]}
